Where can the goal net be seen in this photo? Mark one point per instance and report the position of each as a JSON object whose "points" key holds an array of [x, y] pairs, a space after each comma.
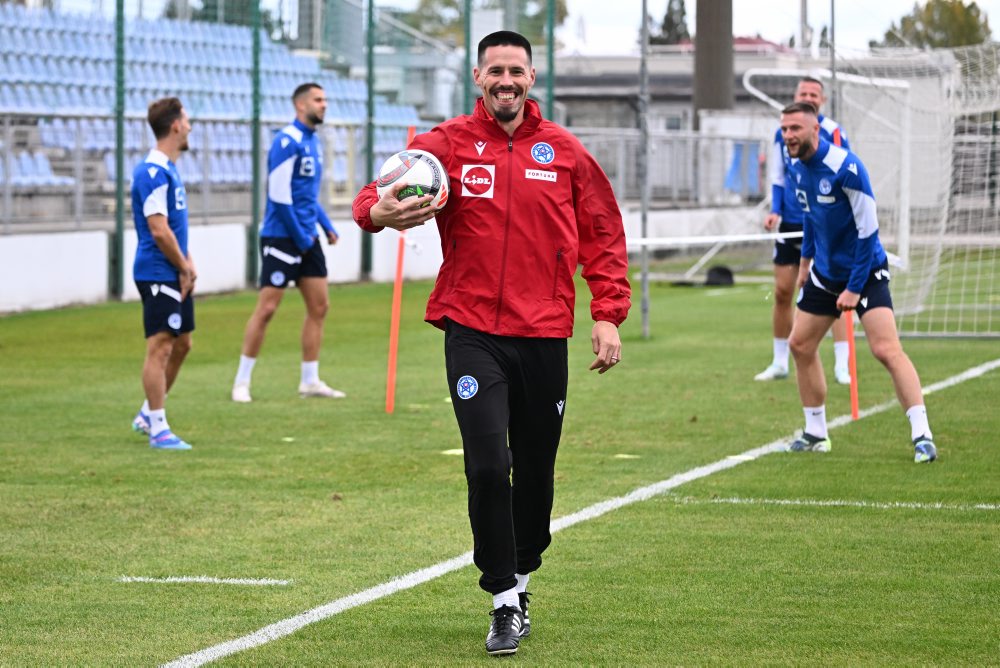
{"points": [[927, 127]]}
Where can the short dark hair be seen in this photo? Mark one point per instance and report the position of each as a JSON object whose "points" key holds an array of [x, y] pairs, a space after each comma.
{"points": [[503, 38], [814, 80], [161, 115], [304, 88], [801, 107]]}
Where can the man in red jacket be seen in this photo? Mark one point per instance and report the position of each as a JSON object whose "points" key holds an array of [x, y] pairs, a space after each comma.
{"points": [[528, 203]]}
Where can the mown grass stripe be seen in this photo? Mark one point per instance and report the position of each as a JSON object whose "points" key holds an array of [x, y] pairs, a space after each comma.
{"points": [[288, 626]]}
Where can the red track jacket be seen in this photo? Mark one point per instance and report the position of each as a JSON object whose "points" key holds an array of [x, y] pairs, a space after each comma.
{"points": [[522, 213]]}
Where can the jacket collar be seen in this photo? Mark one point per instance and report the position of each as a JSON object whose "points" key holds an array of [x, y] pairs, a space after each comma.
{"points": [[532, 117], [821, 150], [158, 157], [306, 130]]}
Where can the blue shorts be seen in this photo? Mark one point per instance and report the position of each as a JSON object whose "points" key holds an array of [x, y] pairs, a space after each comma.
{"points": [[162, 308], [788, 251], [819, 295], [283, 262]]}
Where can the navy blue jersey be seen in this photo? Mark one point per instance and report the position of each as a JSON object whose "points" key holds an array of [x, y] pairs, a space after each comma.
{"points": [[783, 200], [840, 233], [294, 173], [157, 189]]}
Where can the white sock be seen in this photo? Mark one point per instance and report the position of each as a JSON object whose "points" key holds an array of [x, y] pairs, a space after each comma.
{"points": [[310, 372], [145, 407], [815, 420], [781, 353], [841, 352], [245, 371], [508, 597], [158, 421], [918, 421], [522, 582]]}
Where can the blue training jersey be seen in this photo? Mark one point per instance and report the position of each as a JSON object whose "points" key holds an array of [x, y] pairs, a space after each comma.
{"points": [[157, 189], [294, 173], [783, 200], [841, 226]]}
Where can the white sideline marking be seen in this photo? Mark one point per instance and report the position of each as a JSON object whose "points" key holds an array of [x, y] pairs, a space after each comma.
{"points": [[837, 503], [204, 579], [292, 624]]}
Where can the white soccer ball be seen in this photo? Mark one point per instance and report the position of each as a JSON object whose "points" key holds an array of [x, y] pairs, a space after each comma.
{"points": [[421, 171]]}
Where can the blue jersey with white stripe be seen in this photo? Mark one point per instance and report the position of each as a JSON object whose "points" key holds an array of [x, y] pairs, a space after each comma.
{"points": [[294, 173], [157, 189], [783, 200], [840, 233]]}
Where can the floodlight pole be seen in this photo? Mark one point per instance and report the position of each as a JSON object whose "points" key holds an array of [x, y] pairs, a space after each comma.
{"points": [[366, 237], [550, 63], [833, 62], [255, 149], [644, 164], [467, 75], [117, 278]]}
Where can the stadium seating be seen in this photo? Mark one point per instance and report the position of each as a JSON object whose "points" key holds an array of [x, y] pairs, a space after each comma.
{"points": [[57, 74], [54, 63]]}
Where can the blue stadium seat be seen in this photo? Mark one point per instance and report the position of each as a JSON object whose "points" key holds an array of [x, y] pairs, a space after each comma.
{"points": [[24, 170], [8, 101], [44, 174]]}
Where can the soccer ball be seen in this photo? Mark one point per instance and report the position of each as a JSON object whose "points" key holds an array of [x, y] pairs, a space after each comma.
{"points": [[421, 171]]}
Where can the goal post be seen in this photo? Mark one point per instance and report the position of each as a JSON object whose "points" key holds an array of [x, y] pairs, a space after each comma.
{"points": [[927, 126]]}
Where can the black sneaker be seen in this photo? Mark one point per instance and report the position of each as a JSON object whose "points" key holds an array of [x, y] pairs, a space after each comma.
{"points": [[526, 628], [505, 631]]}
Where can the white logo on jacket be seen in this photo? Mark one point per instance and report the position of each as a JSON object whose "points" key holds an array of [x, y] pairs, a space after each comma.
{"points": [[478, 180], [540, 175], [480, 147]]}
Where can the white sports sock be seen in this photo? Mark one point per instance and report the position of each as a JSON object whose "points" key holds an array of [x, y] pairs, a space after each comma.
{"points": [[841, 352], [158, 422], [508, 597], [815, 421], [918, 421], [522, 582], [310, 372], [781, 353], [145, 407], [245, 371]]}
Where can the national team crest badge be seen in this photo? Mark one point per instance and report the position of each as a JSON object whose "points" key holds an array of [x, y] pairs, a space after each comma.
{"points": [[467, 387], [278, 278], [825, 187], [174, 321], [543, 153]]}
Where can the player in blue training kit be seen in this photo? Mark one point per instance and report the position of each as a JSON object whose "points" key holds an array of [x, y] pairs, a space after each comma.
{"points": [[843, 268], [786, 214], [163, 271], [290, 246]]}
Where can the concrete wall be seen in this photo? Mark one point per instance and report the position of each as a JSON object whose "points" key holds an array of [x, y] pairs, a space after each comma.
{"points": [[43, 271]]}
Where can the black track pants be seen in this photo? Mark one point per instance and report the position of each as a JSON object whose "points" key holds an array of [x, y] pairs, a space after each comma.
{"points": [[509, 396]]}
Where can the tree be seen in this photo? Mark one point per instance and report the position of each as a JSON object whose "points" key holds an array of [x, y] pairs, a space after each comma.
{"points": [[674, 29], [938, 24], [444, 20], [234, 12]]}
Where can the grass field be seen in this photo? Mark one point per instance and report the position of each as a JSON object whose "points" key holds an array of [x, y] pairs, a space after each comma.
{"points": [[337, 497]]}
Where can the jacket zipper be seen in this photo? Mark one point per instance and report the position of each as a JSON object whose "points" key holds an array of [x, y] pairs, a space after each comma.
{"points": [[506, 230]]}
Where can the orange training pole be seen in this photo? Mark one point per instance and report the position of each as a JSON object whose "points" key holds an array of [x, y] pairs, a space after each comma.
{"points": [[397, 300], [852, 364]]}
